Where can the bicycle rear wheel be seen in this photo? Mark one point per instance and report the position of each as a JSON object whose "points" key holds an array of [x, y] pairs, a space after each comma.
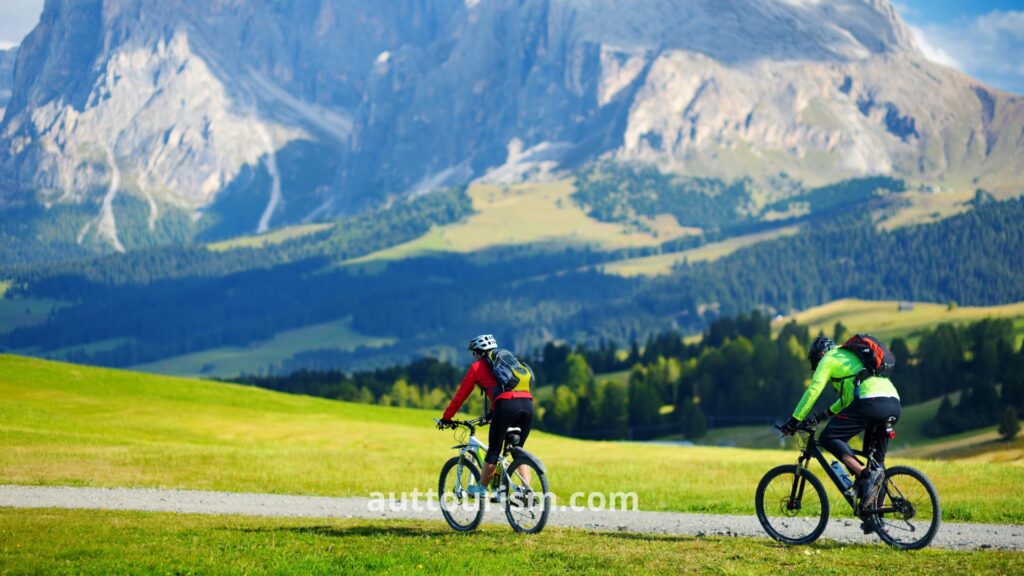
{"points": [[527, 501], [462, 511], [791, 509], [908, 513]]}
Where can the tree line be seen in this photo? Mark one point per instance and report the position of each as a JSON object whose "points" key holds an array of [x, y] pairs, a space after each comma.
{"points": [[167, 302], [737, 373]]}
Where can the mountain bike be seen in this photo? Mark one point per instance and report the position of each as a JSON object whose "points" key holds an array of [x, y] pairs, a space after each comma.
{"points": [[520, 482], [903, 509]]}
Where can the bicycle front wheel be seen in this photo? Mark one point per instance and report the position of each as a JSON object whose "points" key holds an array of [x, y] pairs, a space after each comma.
{"points": [[908, 513], [527, 501], [462, 511], [792, 509]]}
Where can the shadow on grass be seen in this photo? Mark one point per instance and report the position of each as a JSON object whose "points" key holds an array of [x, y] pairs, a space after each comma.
{"points": [[758, 541], [422, 532], [351, 531]]}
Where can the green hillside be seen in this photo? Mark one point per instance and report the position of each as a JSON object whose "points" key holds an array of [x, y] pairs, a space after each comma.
{"points": [[229, 361], [532, 279], [910, 436], [64, 424], [884, 319]]}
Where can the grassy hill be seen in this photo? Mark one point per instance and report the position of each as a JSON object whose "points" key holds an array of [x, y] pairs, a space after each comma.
{"points": [[63, 424], [523, 214], [664, 263], [234, 360], [885, 320], [910, 436]]}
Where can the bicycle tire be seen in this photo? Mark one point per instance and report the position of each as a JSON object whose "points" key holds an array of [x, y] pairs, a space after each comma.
{"points": [[892, 493], [480, 506], [762, 513], [514, 503]]}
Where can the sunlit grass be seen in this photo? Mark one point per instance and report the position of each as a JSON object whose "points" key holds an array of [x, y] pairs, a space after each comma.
{"points": [[102, 542], [270, 238], [883, 318], [541, 212], [663, 263], [235, 360], [70, 425]]}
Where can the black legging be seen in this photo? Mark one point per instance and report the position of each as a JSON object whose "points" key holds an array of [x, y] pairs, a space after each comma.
{"points": [[507, 413], [860, 416]]}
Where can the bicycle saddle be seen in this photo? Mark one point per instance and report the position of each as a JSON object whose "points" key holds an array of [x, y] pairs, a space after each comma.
{"points": [[512, 436]]}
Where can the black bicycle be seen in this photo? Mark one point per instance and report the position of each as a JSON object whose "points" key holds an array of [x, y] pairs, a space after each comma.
{"points": [[903, 509], [520, 482]]}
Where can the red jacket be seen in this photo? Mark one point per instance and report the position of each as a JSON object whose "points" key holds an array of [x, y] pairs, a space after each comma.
{"points": [[479, 373]]}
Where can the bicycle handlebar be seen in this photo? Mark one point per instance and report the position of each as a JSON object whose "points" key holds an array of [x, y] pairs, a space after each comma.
{"points": [[467, 423], [802, 426]]}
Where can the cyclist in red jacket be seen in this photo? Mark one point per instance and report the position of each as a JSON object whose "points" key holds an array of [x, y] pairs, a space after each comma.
{"points": [[513, 408]]}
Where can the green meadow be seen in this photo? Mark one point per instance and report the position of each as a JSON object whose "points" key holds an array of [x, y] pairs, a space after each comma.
{"points": [[553, 218], [884, 319], [234, 360], [63, 424], [101, 542], [269, 239]]}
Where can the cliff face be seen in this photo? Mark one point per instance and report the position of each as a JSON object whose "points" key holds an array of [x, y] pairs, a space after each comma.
{"points": [[7, 58], [259, 113]]}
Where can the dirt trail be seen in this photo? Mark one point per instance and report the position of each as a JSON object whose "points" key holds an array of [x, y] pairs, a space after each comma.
{"points": [[951, 535]]}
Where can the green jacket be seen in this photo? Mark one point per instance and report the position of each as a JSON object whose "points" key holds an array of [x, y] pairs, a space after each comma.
{"points": [[840, 367]]}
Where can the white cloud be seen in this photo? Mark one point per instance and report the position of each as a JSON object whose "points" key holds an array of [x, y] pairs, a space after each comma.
{"points": [[989, 47], [6, 44], [933, 52]]}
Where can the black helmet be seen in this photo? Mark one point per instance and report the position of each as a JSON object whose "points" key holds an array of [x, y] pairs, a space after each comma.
{"points": [[818, 349]]}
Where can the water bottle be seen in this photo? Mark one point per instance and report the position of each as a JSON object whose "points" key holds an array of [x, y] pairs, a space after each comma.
{"points": [[844, 478]]}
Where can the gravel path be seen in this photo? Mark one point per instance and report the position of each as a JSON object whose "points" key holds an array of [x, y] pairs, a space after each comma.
{"points": [[952, 536]]}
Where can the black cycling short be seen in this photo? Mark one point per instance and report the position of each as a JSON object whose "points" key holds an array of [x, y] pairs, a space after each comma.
{"points": [[860, 416], [507, 413]]}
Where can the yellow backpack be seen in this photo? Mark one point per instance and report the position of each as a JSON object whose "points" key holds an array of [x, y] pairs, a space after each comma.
{"points": [[509, 371]]}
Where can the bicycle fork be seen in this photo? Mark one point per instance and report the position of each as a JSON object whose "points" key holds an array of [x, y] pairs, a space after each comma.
{"points": [[796, 494]]}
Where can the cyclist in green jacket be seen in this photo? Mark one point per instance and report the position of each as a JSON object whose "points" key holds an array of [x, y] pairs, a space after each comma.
{"points": [[859, 408]]}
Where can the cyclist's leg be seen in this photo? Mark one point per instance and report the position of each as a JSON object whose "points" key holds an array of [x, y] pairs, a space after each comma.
{"points": [[495, 438], [884, 409], [836, 436], [524, 419]]}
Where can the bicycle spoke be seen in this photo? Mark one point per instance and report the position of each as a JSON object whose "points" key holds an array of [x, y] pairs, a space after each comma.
{"points": [[791, 509], [525, 505], [907, 511], [458, 507]]}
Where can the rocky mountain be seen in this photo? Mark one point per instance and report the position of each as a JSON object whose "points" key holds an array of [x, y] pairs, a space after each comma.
{"points": [[223, 117], [7, 58]]}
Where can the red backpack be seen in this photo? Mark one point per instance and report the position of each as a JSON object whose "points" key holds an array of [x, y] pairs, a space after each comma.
{"points": [[877, 359]]}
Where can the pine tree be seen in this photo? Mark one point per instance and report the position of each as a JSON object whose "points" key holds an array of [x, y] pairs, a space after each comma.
{"points": [[1009, 426]]}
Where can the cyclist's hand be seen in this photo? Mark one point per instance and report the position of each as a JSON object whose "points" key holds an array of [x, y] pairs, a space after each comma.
{"points": [[817, 418], [789, 427], [441, 425]]}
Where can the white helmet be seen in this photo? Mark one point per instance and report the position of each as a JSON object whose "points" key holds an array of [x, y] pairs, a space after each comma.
{"points": [[483, 343]]}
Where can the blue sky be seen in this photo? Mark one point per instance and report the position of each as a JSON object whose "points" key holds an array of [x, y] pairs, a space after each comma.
{"points": [[984, 38]]}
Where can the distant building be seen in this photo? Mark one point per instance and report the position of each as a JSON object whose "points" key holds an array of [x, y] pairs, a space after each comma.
{"points": [[906, 306]]}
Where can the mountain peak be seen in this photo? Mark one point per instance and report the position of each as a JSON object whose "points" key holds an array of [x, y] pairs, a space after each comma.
{"points": [[744, 30], [239, 117]]}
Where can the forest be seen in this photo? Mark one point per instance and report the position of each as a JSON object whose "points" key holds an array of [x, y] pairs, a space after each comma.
{"points": [[169, 301], [737, 374]]}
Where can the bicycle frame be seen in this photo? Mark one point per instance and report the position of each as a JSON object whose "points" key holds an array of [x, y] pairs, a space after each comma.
{"points": [[472, 447], [811, 450]]}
